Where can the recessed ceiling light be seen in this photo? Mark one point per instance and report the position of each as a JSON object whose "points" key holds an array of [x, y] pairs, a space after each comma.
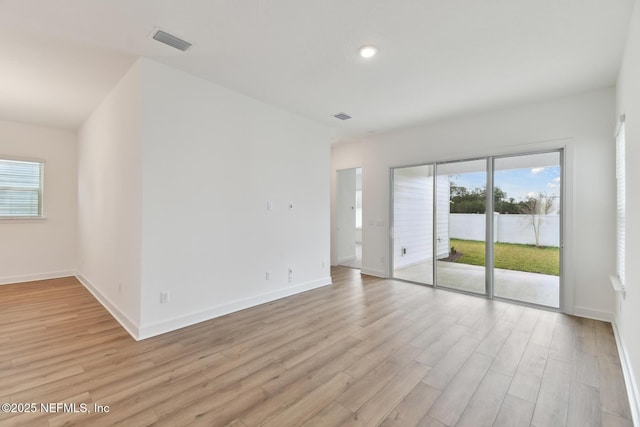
{"points": [[368, 51]]}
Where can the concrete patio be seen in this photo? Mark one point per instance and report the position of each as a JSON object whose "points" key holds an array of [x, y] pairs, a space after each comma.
{"points": [[533, 288]]}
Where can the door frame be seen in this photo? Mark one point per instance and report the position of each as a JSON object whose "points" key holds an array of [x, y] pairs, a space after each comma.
{"points": [[336, 225], [565, 149]]}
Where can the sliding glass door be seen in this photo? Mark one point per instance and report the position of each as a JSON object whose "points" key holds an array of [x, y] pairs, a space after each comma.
{"points": [[460, 226], [488, 226], [527, 228], [413, 224]]}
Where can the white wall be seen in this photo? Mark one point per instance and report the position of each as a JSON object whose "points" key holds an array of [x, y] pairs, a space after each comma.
{"points": [[583, 123], [110, 201], [627, 313], [212, 159], [43, 248], [443, 207]]}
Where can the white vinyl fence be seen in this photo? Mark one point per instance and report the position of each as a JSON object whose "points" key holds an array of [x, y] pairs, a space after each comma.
{"points": [[507, 228]]}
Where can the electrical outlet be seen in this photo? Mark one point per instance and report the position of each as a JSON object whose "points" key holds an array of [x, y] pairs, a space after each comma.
{"points": [[324, 263], [290, 206], [164, 297], [290, 275], [267, 276]]}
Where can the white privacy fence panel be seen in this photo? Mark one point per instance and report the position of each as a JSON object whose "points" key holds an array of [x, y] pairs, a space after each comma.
{"points": [[507, 228], [467, 226]]}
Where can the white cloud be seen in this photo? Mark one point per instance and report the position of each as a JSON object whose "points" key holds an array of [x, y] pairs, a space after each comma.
{"points": [[536, 171], [555, 183], [531, 195]]}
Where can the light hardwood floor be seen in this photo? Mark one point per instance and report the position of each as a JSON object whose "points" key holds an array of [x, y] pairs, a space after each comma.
{"points": [[362, 352]]}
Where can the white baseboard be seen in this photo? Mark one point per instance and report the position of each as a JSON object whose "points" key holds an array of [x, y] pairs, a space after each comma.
{"points": [[120, 317], [629, 377], [594, 314], [7, 280], [148, 331], [346, 259], [372, 272]]}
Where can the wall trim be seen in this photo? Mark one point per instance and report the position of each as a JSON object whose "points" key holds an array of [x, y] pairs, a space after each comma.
{"points": [[629, 377], [120, 317], [373, 272], [158, 328], [592, 313], [8, 280]]}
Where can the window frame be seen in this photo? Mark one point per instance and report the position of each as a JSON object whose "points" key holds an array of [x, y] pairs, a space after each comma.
{"points": [[621, 203], [40, 190]]}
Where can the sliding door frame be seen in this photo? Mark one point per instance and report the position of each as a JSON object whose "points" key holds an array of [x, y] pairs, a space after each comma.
{"points": [[435, 227], [489, 224]]}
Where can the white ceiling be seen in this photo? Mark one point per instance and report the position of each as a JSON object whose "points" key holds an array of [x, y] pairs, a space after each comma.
{"points": [[436, 58]]}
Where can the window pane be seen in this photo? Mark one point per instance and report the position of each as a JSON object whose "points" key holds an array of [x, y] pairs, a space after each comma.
{"points": [[20, 188], [460, 225], [413, 224], [526, 226]]}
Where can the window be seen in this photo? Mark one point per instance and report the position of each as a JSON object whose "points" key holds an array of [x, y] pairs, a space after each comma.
{"points": [[620, 206], [20, 189]]}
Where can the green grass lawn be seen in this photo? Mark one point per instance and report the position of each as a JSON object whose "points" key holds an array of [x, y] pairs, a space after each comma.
{"points": [[545, 260]]}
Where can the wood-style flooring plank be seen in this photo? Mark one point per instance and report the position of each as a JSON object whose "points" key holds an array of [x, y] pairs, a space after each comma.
{"points": [[611, 420], [514, 412], [310, 404], [364, 388], [483, 408], [528, 376], [376, 409], [454, 399], [332, 415], [584, 410], [613, 394], [413, 408], [364, 351]]}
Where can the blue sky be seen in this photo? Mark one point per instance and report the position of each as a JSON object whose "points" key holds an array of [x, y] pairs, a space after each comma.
{"points": [[517, 183]]}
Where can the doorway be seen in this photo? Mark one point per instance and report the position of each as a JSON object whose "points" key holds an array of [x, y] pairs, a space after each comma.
{"points": [[462, 201], [490, 226], [349, 217], [527, 227]]}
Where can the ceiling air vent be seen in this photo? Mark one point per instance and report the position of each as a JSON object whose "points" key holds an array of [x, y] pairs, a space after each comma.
{"points": [[171, 40], [342, 116]]}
